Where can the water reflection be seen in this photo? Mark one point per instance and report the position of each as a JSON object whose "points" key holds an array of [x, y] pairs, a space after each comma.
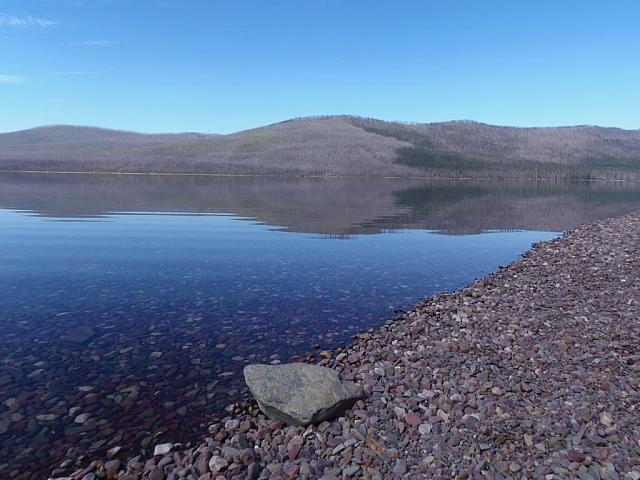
{"points": [[334, 207]]}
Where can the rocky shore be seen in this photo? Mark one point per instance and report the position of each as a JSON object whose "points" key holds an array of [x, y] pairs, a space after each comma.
{"points": [[531, 372]]}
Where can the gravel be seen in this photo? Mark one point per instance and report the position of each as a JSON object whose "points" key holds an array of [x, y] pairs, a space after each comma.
{"points": [[531, 372]]}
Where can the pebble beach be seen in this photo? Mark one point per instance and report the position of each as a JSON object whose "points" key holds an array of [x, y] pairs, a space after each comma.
{"points": [[531, 372]]}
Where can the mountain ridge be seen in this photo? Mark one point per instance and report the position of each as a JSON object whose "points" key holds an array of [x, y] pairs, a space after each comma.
{"points": [[89, 133], [336, 145], [320, 117]]}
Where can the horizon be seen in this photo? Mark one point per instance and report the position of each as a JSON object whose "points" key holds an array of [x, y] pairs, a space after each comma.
{"points": [[314, 117], [165, 67]]}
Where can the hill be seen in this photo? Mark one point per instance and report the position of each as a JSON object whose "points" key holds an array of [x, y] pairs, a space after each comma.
{"points": [[336, 145], [71, 134]]}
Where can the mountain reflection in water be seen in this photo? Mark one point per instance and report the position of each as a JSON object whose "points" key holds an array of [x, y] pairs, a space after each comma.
{"points": [[335, 207]]}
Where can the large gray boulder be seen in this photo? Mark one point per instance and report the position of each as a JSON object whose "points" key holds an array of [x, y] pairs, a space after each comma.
{"points": [[298, 393]]}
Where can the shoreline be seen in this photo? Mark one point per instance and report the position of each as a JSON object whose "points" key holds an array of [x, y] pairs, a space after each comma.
{"points": [[327, 177], [532, 371]]}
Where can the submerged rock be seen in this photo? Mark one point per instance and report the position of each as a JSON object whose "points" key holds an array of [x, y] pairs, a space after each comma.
{"points": [[77, 335], [299, 393]]}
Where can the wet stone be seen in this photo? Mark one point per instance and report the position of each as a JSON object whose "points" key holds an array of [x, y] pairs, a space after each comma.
{"points": [[77, 335]]}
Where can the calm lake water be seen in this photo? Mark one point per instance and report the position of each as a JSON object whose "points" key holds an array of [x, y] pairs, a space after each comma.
{"points": [[137, 300]]}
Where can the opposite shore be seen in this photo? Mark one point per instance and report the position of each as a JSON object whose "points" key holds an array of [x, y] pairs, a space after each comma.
{"points": [[336, 145], [531, 372], [318, 176]]}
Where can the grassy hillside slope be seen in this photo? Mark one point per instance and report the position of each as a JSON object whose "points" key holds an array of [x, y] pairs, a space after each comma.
{"points": [[336, 145]]}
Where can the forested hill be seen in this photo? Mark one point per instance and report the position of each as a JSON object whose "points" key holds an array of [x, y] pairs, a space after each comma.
{"points": [[336, 145]]}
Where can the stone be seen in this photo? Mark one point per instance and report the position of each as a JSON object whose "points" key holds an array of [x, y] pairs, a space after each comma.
{"points": [[323, 426], [351, 470], [231, 424], [412, 419], [606, 418], [46, 417], [162, 449], [73, 411], [294, 446], [16, 417], [575, 456], [305, 469], [253, 471], [82, 418], [111, 468], [112, 452], [298, 393], [217, 464], [425, 428], [400, 467], [230, 452], [292, 471], [456, 398], [156, 473], [77, 335]]}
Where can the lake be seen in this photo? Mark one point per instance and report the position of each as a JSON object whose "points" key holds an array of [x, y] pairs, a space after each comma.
{"points": [[129, 303]]}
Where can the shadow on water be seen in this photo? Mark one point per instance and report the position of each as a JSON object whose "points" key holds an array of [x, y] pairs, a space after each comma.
{"points": [[135, 301]]}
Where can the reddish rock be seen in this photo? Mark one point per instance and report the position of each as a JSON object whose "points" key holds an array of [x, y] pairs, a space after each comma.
{"points": [[294, 446], [412, 419]]}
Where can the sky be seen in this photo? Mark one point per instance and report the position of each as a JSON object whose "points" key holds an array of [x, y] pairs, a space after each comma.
{"points": [[223, 66]]}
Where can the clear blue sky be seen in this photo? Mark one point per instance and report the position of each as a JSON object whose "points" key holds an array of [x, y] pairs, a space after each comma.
{"points": [[222, 66]]}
